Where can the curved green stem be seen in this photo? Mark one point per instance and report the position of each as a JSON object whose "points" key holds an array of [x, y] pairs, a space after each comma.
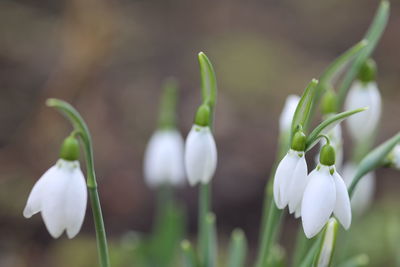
{"points": [[83, 131]]}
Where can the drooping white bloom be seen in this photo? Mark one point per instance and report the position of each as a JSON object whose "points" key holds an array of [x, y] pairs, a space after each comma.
{"points": [[290, 181], [364, 192], [163, 161], [285, 120], [61, 196], [363, 124], [396, 157], [200, 155], [325, 193]]}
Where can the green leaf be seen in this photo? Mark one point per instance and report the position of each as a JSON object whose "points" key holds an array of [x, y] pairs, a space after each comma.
{"points": [[302, 113], [327, 125], [334, 69], [356, 261], [314, 249], [327, 246], [373, 36], [188, 255], [211, 235], [373, 160], [168, 229], [237, 249], [208, 80]]}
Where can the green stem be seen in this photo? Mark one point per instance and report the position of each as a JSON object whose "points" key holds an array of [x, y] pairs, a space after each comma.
{"points": [[80, 127], [167, 116], [204, 209]]}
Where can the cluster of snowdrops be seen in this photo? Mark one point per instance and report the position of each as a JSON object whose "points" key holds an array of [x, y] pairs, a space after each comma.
{"points": [[323, 198]]}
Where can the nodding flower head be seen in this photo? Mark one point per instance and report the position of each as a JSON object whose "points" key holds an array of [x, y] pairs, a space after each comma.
{"points": [[325, 193], [291, 176], [200, 149], [60, 194], [163, 161], [364, 93]]}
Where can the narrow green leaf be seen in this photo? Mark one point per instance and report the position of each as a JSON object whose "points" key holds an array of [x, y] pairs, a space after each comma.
{"points": [[312, 252], [327, 246], [373, 160], [327, 125], [188, 255], [302, 113], [356, 261], [211, 253], [373, 36], [208, 80], [237, 249], [334, 69]]}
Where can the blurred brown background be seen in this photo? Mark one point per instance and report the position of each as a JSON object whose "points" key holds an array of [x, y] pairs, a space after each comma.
{"points": [[109, 59]]}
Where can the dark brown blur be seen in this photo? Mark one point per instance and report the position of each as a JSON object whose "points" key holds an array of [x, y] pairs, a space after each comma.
{"points": [[110, 58]]}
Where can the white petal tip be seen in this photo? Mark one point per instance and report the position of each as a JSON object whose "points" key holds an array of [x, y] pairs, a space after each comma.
{"points": [[27, 213]]}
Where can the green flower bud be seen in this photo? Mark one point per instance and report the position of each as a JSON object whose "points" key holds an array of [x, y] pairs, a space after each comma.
{"points": [[327, 155], [367, 71], [329, 102], [203, 116], [299, 141], [70, 149]]}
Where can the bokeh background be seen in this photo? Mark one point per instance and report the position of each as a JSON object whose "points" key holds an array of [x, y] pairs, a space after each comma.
{"points": [[110, 58]]}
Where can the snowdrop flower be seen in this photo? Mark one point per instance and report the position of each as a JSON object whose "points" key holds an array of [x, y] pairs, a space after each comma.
{"points": [[325, 193], [364, 192], [394, 157], [291, 176], [60, 194], [163, 161], [200, 149], [364, 93], [285, 120]]}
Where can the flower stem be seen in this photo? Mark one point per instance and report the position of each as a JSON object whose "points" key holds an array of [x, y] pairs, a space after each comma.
{"points": [[81, 128], [204, 208]]}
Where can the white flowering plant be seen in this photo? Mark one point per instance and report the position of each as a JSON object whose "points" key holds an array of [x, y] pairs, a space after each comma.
{"points": [[323, 194]]}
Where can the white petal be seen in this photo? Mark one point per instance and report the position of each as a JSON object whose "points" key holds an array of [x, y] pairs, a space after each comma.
{"points": [[396, 157], [363, 124], [53, 200], [75, 202], [318, 201], [285, 120], [163, 162], [298, 184], [342, 209], [282, 177], [34, 202], [200, 155], [297, 212]]}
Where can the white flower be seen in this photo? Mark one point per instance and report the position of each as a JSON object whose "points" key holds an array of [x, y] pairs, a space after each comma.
{"points": [[61, 196], [396, 157], [285, 120], [200, 155], [364, 192], [163, 161], [325, 193], [290, 181], [363, 124]]}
